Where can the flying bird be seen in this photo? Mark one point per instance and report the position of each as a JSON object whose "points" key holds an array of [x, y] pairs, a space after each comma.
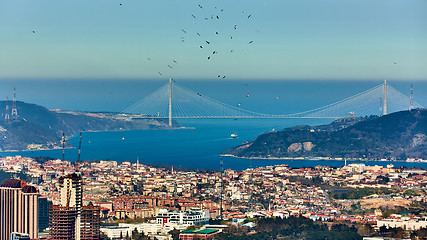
{"points": [[149, 59], [207, 42], [235, 26], [198, 34], [251, 42], [193, 15], [249, 16], [209, 58], [169, 66], [201, 46], [200, 6], [160, 73], [175, 61]]}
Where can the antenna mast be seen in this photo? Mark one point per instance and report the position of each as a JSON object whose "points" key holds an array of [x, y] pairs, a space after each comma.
{"points": [[6, 115], [411, 100], [14, 109], [78, 158], [222, 187], [63, 152], [170, 102], [385, 98]]}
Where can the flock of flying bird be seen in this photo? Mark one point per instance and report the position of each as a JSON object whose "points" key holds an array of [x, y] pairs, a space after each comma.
{"points": [[208, 44]]}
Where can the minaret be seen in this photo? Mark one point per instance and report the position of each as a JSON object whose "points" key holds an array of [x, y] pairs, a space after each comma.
{"points": [[170, 102], [385, 98], [14, 109]]}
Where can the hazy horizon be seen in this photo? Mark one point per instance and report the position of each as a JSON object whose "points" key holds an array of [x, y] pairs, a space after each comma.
{"points": [[330, 39]]}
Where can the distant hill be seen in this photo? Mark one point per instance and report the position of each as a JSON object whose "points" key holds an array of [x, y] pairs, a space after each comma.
{"points": [[398, 135], [40, 128]]}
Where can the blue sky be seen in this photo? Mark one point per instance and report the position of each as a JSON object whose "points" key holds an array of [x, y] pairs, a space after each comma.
{"points": [[298, 39]]}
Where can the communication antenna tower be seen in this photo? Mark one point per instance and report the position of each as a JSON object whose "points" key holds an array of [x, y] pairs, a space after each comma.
{"points": [[385, 98], [14, 109], [6, 115], [222, 187], [411, 100], [63, 152], [78, 158]]}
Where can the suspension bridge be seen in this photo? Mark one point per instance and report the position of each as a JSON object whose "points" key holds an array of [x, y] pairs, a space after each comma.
{"points": [[174, 101]]}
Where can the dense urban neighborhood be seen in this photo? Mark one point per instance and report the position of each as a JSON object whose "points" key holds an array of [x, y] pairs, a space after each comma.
{"points": [[134, 199]]}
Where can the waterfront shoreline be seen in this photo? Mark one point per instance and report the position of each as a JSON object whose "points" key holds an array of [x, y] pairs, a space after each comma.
{"points": [[317, 159]]}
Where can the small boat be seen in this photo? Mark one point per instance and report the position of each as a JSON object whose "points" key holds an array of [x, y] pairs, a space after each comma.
{"points": [[233, 135]]}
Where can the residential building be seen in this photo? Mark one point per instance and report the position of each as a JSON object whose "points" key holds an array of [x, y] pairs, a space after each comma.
{"points": [[18, 209]]}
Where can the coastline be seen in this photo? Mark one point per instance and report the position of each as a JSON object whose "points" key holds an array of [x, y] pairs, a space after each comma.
{"points": [[32, 150], [319, 159]]}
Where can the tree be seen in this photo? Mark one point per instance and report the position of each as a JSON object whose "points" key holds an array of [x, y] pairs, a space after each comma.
{"points": [[419, 234], [175, 234], [365, 230]]}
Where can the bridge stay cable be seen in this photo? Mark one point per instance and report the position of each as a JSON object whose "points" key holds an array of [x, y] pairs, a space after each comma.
{"points": [[187, 103]]}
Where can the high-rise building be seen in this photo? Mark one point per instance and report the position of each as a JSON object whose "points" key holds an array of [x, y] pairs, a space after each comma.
{"points": [[44, 213], [19, 236], [70, 220], [18, 209], [90, 228], [65, 218], [62, 222]]}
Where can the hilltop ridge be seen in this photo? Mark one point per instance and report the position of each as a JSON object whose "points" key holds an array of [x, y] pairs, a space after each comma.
{"points": [[396, 136], [40, 128]]}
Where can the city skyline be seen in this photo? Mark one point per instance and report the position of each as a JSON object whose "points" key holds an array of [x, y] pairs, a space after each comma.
{"points": [[255, 40]]}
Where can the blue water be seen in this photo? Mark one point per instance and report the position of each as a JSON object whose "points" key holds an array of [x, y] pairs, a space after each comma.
{"points": [[192, 148], [199, 147]]}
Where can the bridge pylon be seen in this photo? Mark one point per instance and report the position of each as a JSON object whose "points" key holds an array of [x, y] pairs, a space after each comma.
{"points": [[190, 104], [170, 102]]}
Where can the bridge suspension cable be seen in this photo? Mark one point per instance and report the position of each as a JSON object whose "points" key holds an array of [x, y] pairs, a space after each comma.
{"points": [[185, 103]]}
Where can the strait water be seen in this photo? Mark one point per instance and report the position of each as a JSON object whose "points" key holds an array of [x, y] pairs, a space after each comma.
{"points": [[199, 147], [191, 148]]}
